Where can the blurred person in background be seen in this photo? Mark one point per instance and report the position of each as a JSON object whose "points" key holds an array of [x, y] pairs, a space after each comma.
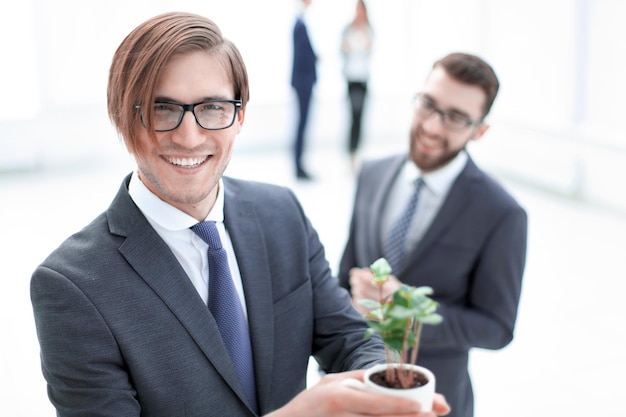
{"points": [[443, 222], [356, 49], [303, 79], [130, 311]]}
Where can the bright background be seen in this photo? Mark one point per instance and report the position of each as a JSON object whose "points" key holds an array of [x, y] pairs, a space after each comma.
{"points": [[555, 142], [557, 121]]}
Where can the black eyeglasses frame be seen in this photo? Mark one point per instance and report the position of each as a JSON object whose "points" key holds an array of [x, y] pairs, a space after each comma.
{"points": [[191, 108]]}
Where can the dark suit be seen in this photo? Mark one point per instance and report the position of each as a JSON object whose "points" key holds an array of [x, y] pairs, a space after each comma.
{"points": [[472, 255], [123, 332], [303, 78]]}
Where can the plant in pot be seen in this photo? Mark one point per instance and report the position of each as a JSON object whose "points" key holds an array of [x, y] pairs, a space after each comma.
{"points": [[399, 319]]}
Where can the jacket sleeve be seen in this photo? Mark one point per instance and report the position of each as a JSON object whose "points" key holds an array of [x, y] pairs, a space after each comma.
{"points": [[70, 329], [339, 343], [487, 317]]}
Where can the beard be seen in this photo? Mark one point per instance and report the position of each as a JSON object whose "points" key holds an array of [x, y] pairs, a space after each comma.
{"points": [[431, 152]]}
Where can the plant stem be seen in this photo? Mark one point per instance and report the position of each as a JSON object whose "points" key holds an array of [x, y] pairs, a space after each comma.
{"points": [[418, 333], [389, 374]]}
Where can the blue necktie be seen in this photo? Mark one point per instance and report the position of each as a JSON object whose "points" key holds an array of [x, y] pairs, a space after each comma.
{"points": [[395, 245], [226, 308]]}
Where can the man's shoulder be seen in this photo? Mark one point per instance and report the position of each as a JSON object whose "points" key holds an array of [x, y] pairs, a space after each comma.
{"points": [[375, 165], [81, 247], [492, 191], [254, 187], [101, 237], [256, 192]]}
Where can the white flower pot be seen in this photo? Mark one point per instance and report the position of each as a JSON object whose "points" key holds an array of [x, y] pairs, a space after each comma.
{"points": [[423, 394]]}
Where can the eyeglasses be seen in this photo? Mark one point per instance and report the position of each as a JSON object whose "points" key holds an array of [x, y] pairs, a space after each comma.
{"points": [[451, 120], [209, 114]]}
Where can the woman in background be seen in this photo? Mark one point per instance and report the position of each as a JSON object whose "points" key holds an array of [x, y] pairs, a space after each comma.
{"points": [[356, 48]]}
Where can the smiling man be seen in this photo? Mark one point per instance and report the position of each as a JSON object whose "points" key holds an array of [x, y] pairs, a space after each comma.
{"points": [[195, 294], [444, 223]]}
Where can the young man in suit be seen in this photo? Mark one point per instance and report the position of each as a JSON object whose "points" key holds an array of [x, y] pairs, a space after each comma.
{"points": [[125, 309], [303, 78], [465, 235]]}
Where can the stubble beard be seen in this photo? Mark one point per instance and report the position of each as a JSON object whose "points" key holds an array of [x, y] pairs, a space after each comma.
{"points": [[430, 163]]}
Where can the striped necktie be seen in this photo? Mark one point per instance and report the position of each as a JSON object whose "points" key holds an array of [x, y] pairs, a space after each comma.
{"points": [[395, 244]]}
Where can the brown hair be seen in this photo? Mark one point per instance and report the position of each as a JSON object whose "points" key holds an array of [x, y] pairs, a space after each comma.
{"points": [[472, 70], [141, 57]]}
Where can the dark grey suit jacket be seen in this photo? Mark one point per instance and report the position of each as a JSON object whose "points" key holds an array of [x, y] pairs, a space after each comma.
{"points": [[123, 332], [472, 255]]}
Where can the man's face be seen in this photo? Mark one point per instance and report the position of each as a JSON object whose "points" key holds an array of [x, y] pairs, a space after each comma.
{"points": [[432, 145], [184, 171]]}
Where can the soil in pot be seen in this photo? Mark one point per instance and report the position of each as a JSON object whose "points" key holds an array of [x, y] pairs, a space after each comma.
{"points": [[415, 378]]}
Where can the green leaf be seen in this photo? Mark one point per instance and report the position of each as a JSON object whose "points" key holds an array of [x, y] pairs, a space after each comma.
{"points": [[375, 315], [422, 291], [368, 333], [369, 303], [432, 319], [400, 312], [381, 269]]}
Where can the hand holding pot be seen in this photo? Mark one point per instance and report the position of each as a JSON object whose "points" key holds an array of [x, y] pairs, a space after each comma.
{"points": [[331, 397], [424, 394]]}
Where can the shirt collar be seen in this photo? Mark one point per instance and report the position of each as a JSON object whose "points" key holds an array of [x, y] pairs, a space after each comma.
{"points": [[439, 181], [166, 215]]}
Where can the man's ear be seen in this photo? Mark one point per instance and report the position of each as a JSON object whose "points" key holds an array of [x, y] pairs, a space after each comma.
{"points": [[481, 129], [241, 115]]}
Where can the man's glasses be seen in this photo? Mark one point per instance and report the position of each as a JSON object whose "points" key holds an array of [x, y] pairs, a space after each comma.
{"points": [[209, 114], [451, 120]]}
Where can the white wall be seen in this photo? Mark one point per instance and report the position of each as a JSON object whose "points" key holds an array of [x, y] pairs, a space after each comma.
{"points": [[556, 123]]}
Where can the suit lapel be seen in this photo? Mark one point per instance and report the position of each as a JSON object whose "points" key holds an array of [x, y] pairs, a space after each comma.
{"points": [[248, 237], [154, 262]]}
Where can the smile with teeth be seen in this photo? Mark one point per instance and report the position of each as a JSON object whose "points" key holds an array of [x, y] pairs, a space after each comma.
{"points": [[187, 162]]}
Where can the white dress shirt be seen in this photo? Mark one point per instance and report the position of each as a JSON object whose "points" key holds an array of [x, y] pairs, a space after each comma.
{"points": [[437, 184], [173, 226]]}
